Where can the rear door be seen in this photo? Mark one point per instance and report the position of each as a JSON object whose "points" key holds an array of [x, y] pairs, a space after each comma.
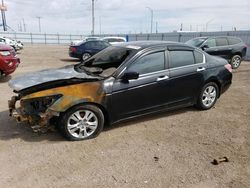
{"points": [[186, 69], [223, 49]]}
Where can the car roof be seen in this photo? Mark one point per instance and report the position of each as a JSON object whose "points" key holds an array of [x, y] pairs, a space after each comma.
{"points": [[146, 44]]}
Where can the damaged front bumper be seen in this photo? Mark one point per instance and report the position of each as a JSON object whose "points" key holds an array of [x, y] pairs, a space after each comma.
{"points": [[39, 122]]}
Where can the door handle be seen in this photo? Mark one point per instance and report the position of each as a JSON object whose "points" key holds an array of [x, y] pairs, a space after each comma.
{"points": [[162, 78], [201, 69]]}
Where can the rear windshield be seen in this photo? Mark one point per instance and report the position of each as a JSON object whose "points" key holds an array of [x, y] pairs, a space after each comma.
{"points": [[196, 42]]}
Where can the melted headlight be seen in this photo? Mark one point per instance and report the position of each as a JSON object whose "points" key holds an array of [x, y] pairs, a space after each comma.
{"points": [[38, 105]]}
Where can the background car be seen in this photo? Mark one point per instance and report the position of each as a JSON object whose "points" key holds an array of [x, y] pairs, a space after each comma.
{"points": [[13, 43], [8, 60], [114, 40], [77, 42], [87, 49], [231, 48], [119, 83]]}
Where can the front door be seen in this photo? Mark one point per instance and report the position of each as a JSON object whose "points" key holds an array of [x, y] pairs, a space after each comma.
{"points": [[144, 94]]}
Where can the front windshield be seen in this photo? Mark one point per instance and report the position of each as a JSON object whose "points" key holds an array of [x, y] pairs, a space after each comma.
{"points": [[105, 62], [196, 42]]}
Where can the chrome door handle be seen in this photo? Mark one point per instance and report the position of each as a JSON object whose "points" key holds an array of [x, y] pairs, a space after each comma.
{"points": [[201, 69], [162, 78]]}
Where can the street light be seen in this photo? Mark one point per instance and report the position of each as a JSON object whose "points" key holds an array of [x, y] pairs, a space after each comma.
{"points": [[209, 21], [39, 23], [152, 17], [93, 18]]}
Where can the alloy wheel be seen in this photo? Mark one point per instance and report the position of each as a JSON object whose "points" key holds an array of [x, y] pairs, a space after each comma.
{"points": [[209, 96]]}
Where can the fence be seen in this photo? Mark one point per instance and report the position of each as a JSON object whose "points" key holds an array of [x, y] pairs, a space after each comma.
{"points": [[34, 38]]}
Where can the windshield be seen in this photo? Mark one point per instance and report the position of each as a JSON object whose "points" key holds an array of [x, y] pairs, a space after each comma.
{"points": [[105, 62], [196, 42]]}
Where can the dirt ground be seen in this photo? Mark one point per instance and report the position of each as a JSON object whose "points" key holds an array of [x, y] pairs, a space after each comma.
{"points": [[173, 149]]}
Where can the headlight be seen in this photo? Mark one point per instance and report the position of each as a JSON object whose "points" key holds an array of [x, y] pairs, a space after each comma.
{"points": [[5, 53], [41, 104]]}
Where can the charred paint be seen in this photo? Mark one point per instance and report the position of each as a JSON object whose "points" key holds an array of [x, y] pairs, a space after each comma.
{"points": [[72, 95]]}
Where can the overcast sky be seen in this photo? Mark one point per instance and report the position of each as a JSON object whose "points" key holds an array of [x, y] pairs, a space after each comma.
{"points": [[128, 16]]}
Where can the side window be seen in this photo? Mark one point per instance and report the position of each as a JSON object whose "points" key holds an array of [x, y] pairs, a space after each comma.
{"points": [[221, 42], [149, 63], [233, 41], [181, 58], [89, 45], [210, 43], [198, 57]]}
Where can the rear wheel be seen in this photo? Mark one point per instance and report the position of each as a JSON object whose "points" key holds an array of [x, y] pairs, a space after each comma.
{"points": [[85, 56], [82, 122], [236, 61], [208, 96]]}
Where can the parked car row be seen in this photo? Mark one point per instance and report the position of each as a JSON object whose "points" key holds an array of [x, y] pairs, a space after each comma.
{"points": [[17, 45]]}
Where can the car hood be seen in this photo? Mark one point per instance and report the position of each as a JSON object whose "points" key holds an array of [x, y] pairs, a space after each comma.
{"points": [[47, 76]]}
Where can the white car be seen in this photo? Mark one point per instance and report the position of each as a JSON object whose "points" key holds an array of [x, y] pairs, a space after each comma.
{"points": [[13, 43], [114, 40]]}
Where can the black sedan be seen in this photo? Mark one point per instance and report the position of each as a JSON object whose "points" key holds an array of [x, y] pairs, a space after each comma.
{"points": [[87, 49], [119, 83]]}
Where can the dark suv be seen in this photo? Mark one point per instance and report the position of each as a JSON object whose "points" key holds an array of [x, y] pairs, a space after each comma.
{"points": [[231, 48]]}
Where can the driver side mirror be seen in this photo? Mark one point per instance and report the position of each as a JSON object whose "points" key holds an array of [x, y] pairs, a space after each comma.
{"points": [[204, 47], [130, 76]]}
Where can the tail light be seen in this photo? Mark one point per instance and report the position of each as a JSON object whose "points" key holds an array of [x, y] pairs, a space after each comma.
{"points": [[245, 46], [228, 67], [73, 49]]}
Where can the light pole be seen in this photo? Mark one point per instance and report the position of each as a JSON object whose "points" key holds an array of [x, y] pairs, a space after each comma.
{"points": [[152, 17], [3, 9], [39, 23], [93, 18], [209, 21]]}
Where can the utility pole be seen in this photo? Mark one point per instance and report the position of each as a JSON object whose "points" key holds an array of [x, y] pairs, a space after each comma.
{"points": [[100, 20], [156, 27], [3, 9], [152, 18], [39, 23], [209, 21], [93, 18], [24, 26]]}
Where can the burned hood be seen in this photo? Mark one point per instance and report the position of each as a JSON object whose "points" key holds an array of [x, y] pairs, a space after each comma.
{"points": [[47, 76]]}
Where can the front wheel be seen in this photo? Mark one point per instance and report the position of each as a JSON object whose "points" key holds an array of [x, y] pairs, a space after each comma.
{"points": [[208, 96], [82, 122], [236, 61]]}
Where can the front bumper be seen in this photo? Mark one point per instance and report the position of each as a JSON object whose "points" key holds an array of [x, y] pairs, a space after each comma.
{"points": [[39, 122]]}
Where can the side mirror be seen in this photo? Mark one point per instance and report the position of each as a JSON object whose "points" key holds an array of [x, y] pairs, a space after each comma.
{"points": [[204, 47], [130, 76]]}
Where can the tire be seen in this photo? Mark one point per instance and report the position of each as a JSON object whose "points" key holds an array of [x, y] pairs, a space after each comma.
{"points": [[208, 96], [82, 122], [85, 56], [236, 61]]}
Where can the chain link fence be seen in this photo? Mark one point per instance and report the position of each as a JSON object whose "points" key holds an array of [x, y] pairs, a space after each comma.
{"points": [[39, 38]]}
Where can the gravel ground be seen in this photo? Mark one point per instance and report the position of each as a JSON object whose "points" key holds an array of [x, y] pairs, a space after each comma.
{"points": [[173, 149]]}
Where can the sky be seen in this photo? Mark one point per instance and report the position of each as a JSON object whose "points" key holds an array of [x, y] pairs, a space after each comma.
{"points": [[127, 16]]}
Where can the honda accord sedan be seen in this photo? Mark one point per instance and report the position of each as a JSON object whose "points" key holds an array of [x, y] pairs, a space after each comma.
{"points": [[121, 82]]}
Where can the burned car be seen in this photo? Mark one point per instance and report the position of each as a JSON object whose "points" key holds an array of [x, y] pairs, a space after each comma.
{"points": [[121, 82]]}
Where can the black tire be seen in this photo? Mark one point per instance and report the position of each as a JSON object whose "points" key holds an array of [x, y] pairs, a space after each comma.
{"points": [[235, 61], [201, 104], [67, 117], [85, 56]]}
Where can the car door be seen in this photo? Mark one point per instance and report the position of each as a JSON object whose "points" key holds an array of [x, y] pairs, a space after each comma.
{"points": [[223, 49], [146, 93], [186, 69]]}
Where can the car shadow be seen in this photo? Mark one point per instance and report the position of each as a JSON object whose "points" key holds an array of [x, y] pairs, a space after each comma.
{"points": [[10, 129], [70, 60], [5, 79], [150, 117]]}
